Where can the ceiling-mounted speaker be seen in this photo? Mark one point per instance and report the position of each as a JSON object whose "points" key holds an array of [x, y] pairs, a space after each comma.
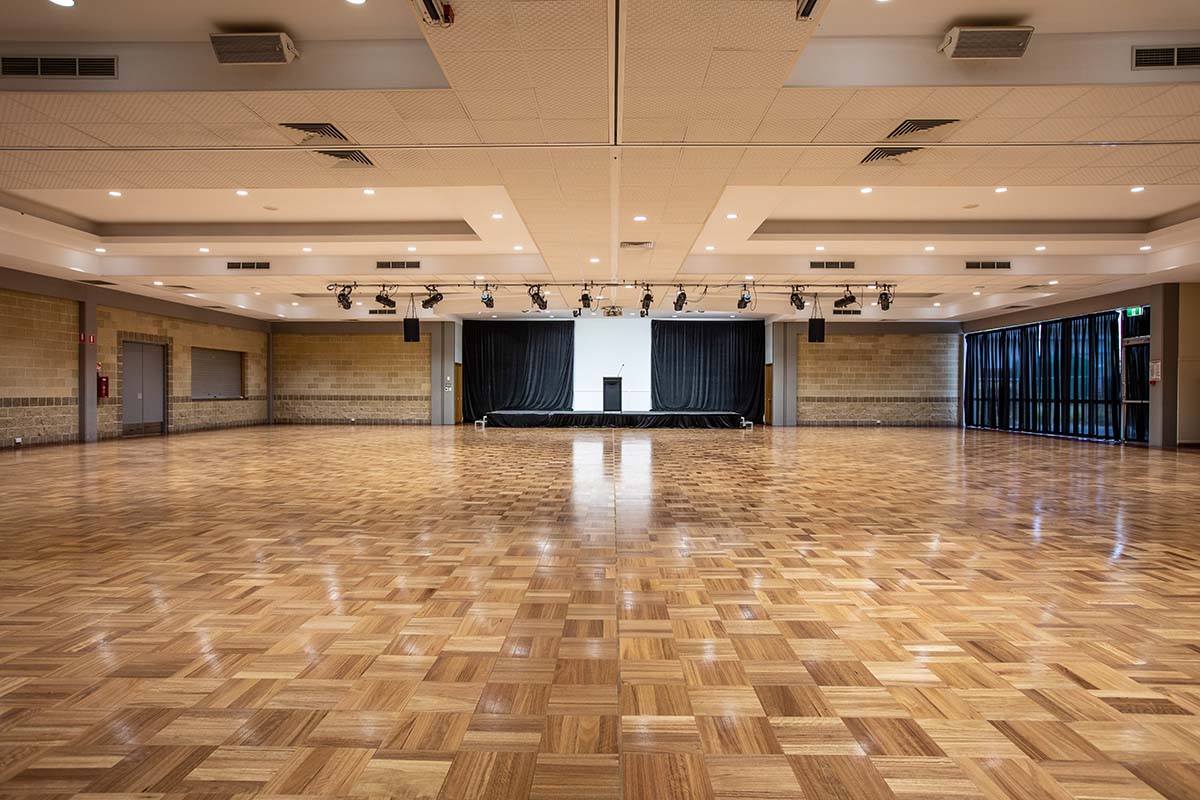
{"points": [[982, 43], [816, 329], [253, 48], [412, 329]]}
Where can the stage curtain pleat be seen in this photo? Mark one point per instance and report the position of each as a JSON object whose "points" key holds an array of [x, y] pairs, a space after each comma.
{"points": [[517, 365], [1060, 377], [707, 366]]}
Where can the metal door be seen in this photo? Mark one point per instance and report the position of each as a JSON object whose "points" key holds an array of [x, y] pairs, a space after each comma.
{"points": [[153, 390], [131, 383]]}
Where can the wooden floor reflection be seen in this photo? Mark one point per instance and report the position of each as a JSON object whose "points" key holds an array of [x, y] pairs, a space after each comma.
{"points": [[446, 613]]}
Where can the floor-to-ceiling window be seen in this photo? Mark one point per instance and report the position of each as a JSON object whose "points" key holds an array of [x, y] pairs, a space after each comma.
{"points": [[1059, 377]]}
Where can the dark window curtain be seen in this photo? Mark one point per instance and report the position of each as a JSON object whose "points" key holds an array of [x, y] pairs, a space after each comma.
{"points": [[1060, 377], [707, 366], [517, 365]]}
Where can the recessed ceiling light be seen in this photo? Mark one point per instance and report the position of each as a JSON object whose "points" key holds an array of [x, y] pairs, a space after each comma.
{"points": [[189, 294], [749, 277], [1137, 189], [242, 192], [731, 216], [733, 316], [937, 305], [1144, 247], [1040, 247], [1052, 283], [63, 3], [358, 302], [929, 248], [240, 305], [871, 286], [497, 215], [518, 247], [594, 260], [639, 218], [78, 269], [203, 249], [101, 250], [493, 316], [1000, 189], [279, 315], [479, 277], [114, 193], [709, 247], [412, 248], [305, 249], [629, 286], [158, 283], [820, 248], [295, 303], [874, 302], [368, 192], [356, 2], [866, 190], [977, 293]]}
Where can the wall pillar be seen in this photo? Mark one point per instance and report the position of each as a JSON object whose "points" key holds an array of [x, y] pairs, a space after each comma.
{"points": [[783, 372], [87, 371], [441, 378], [1164, 347]]}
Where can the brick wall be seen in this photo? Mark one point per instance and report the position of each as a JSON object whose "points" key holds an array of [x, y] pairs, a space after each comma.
{"points": [[39, 360], [179, 336], [339, 378], [890, 378]]}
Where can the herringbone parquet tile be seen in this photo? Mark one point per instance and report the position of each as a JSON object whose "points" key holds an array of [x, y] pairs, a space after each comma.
{"points": [[441, 613]]}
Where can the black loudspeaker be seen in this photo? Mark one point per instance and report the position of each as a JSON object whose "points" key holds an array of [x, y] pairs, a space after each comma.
{"points": [[816, 329], [412, 329]]}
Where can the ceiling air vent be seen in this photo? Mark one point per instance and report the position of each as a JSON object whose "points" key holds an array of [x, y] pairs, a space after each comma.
{"points": [[397, 265], [253, 48], [1166, 57], [324, 130], [831, 265], [637, 245], [248, 265], [888, 154], [348, 158], [806, 9], [89, 67], [989, 265], [984, 43], [847, 312], [911, 126], [98, 283], [380, 311]]}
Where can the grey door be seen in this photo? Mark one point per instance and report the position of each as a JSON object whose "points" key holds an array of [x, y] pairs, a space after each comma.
{"points": [[142, 388]]}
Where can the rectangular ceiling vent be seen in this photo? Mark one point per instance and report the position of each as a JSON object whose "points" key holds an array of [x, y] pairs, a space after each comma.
{"points": [[348, 158], [397, 265], [806, 9], [831, 265], [989, 265], [248, 265], [986, 42], [253, 48], [1015, 308], [892, 154], [98, 283], [89, 67], [381, 311], [847, 312], [637, 245], [180, 287], [913, 126], [1177, 57]]}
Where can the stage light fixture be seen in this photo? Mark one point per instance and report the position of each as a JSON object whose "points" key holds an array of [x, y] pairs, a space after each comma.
{"points": [[796, 299], [537, 298], [847, 299], [343, 297], [585, 298], [885, 299], [487, 298], [745, 299], [647, 300], [433, 299], [384, 300], [680, 299]]}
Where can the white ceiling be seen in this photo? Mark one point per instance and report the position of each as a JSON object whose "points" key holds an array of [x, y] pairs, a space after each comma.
{"points": [[188, 21]]}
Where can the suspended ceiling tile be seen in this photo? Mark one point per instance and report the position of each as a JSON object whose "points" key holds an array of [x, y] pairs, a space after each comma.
{"points": [[1091, 176], [673, 24], [187, 135], [392, 132], [55, 135], [739, 68], [1034, 101], [1058, 129], [210, 107], [442, 131], [277, 107], [762, 25], [1149, 175], [572, 103], [354, 106], [518, 104], [720, 130], [485, 69], [566, 69], [855, 130], [1184, 129], [659, 103], [1177, 101], [1110, 101], [426, 104], [12, 111], [893, 103], [478, 25], [666, 70], [990, 129], [805, 103], [241, 134], [957, 102], [62, 107], [511, 131], [138, 106], [654, 130], [561, 24], [1129, 128], [740, 105]]}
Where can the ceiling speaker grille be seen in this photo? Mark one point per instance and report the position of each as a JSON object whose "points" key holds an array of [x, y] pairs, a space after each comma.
{"points": [[253, 48], [89, 67], [986, 42]]}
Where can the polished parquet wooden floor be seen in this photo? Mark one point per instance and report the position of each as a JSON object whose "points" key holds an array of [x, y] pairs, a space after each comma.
{"points": [[442, 613]]}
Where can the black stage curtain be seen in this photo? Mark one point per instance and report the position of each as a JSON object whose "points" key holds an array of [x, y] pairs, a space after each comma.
{"points": [[517, 365], [1061, 377], [707, 366]]}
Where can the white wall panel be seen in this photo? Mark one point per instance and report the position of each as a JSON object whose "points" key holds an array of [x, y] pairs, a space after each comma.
{"points": [[602, 346]]}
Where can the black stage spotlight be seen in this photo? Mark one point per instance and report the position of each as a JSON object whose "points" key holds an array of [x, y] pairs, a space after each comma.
{"points": [[385, 301], [537, 298], [680, 299], [486, 297], [885, 299], [343, 297], [745, 299], [847, 299], [647, 300], [433, 299], [585, 298], [797, 299]]}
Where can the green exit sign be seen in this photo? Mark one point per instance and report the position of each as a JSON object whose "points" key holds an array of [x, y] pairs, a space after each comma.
{"points": [[1134, 312]]}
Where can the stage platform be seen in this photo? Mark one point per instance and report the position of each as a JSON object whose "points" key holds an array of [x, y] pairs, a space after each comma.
{"points": [[614, 419]]}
